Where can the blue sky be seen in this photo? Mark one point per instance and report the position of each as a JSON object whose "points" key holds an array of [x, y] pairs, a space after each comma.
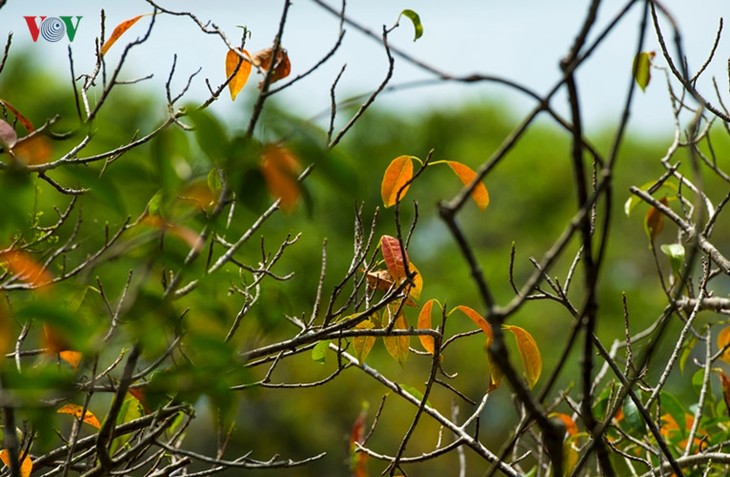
{"points": [[522, 40]]}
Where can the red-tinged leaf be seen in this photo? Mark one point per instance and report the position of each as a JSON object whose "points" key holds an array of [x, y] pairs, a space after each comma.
{"points": [[26, 467], [529, 352], [282, 65], [76, 410], [723, 343], [280, 169], [396, 180], [359, 460], [23, 120], [397, 346], [8, 136], [393, 257], [571, 428], [33, 150], [24, 267], [73, 358], [363, 344], [240, 78], [654, 221], [424, 323], [725, 389], [466, 176], [119, 31], [138, 393]]}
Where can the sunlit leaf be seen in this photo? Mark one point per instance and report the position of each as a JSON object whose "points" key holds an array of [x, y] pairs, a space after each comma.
{"points": [[466, 175], [424, 323], [363, 344], [415, 291], [495, 376], [359, 460], [642, 68], [240, 78], [635, 200], [24, 267], [138, 393], [571, 428], [76, 410], [282, 65], [26, 467], [675, 252], [397, 346], [73, 358], [319, 352], [393, 257], [8, 137], [119, 31], [529, 352], [416, 19], [395, 180], [723, 343], [654, 221], [280, 168], [23, 120]]}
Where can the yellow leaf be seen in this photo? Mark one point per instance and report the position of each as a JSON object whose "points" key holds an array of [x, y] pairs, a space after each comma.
{"points": [[280, 169], [26, 467], [723, 341], [241, 76], [71, 357], [495, 376], [642, 68], [417, 288], [424, 323], [529, 352], [119, 31], [76, 410], [397, 346], [467, 176], [363, 344], [395, 180]]}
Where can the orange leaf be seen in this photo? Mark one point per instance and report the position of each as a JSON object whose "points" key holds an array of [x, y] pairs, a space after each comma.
{"points": [[571, 428], [26, 467], [185, 234], [280, 169], [496, 374], [467, 176], [723, 342], [654, 221], [393, 257], [119, 31], [529, 352], [397, 346], [240, 78], [26, 268], [76, 410], [363, 344], [417, 288], [357, 436], [395, 180], [424, 323], [282, 66], [33, 150], [23, 120], [73, 358]]}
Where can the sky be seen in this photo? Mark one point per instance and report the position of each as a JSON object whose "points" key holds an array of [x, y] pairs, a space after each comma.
{"points": [[520, 40]]}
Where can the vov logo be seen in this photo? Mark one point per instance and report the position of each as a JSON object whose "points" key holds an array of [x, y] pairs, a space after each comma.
{"points": [[52, 28]]}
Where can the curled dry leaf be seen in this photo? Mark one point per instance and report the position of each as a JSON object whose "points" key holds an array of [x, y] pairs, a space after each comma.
{"points": [[396, 180], [280, 169], [281, 68], [76, 410], [239, 68], [424, 323]]}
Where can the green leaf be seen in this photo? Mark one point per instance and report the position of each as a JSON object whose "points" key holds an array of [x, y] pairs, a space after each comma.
{"points": [[642, 68], [633, 201], [675, 252], [416, 19], [670, 405], [319, 352], [210, 134], [414, 392], [632, 418]]}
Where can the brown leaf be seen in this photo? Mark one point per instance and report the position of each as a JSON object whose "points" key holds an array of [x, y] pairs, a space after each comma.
{"points": [[76, 410], [424, 323], [529, 352], [467, 176], [395, 180], [379, 280], [33, 150], [282, 65], [654, 221], [280, 169], [393, 257], [26, 467], [23, 120], [397, 346], [119, 31], [233, 61]]}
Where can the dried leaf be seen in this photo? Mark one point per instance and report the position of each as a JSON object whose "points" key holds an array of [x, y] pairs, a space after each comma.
{"points": [[396, 180], [415, 19], [393, 257], [8, 136], [280, 169], [119, 31], [24, 267], [397, 346], [282, 65], [723, 342], [363, 344], [26, 467], [23, 120], [466, 175], [654, 221], [529, 352], [424, 323], [642, 68], [240, 78], [379, 280], [76, 410]]}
